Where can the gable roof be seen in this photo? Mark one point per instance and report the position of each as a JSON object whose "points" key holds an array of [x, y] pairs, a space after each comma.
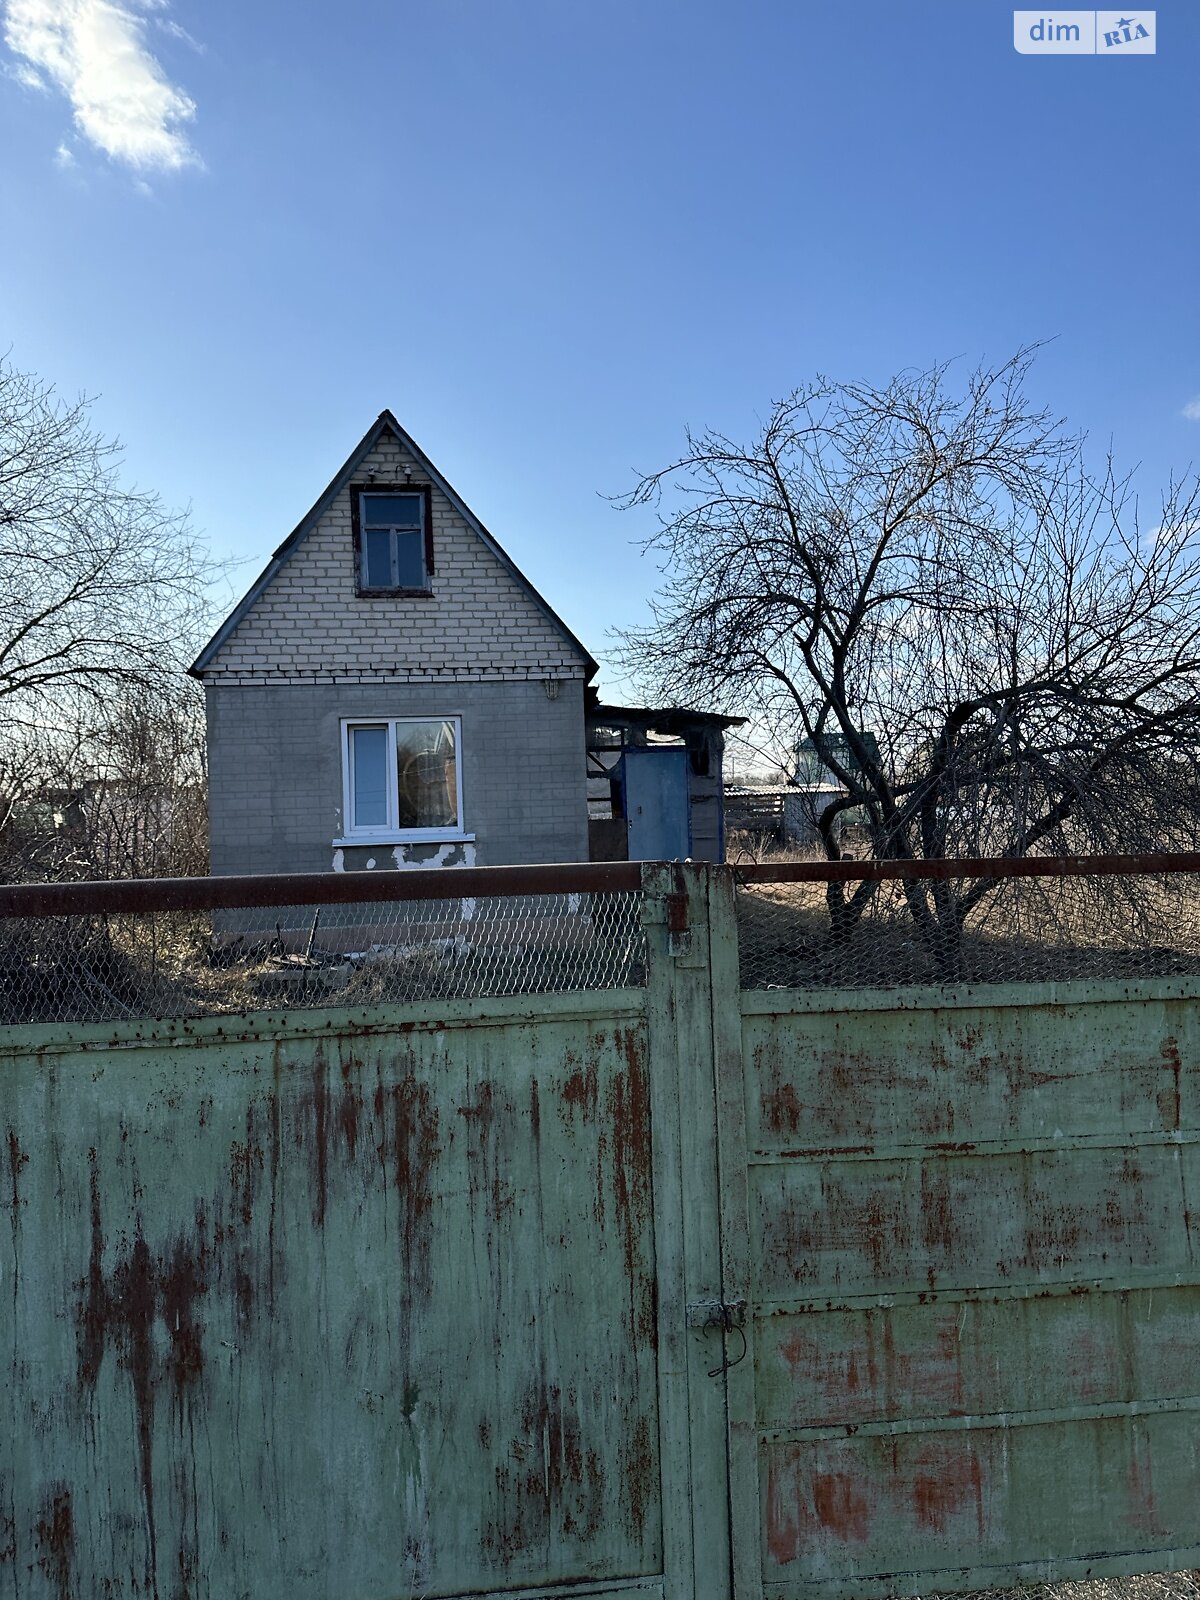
{"points": [[384, 421]]}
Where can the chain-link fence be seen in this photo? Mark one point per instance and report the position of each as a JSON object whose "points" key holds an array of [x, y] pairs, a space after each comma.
{"points": [[188, 962], [195, 952], [1089, 922]]}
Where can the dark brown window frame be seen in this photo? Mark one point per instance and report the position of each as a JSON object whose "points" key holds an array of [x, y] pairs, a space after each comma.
{"points": [[423, 489]]}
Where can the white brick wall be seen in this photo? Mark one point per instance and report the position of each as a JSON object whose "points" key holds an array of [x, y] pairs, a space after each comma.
{"points": [[308, 626]]}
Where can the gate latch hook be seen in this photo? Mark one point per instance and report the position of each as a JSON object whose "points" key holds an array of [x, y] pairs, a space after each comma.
{"points": [[723, 1317]]}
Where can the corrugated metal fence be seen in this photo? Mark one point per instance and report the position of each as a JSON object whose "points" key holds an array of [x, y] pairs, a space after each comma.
{"points": [[578, 1252]]}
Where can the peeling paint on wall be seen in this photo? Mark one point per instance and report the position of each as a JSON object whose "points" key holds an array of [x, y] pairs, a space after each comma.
{"points": [[404, 857]]}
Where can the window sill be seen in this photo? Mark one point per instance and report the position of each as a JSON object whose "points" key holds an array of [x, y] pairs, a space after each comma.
{"points": [[366, 839], [393, 594]]}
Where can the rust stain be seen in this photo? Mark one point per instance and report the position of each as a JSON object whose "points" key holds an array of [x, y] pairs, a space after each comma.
{"points": [[640, 1477], [181, 1285], [245, 1162], [124, 1308], [188, 1566], [594, 1478], [547, 1485], [841, 1506], [411, 1146], [17, 1162], [55, 1538], [629, 1118], [1052, 1233], [825, 1375], [129, 1306], [487, 1159], [939, 1234], [535, 1112], [851, 1079], [946, 1480], [92, 1315], [824, 1152], [878, 1229], [1125, 1208], [783, 1529], [323, 1116], [318, 1103], [783, 1535], [581, 1091], [349, 1106], [1170, 1094], [274, 1116], [854, 1371], [243, 1293], [600, 1204], [8, 1521], [781, 1110], [852, 1088]]}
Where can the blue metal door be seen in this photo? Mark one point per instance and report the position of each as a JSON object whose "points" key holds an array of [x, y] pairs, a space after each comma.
{"points": [[655, 786]]}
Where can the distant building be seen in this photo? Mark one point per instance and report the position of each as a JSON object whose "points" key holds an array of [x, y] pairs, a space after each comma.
{"points": [[785, 815], [813, 756]]}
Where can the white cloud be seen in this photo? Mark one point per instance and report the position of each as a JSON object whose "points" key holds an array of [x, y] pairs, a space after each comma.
{"points": [[23, 74], [174, 31], [95, 52], [63, 156], [1192, 410]]}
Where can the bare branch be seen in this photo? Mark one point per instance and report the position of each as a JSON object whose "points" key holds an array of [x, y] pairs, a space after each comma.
{"points": [[1010, 657]]}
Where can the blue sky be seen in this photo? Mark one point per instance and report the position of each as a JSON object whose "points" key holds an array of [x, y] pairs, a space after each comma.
{"points": [[549, 235]]}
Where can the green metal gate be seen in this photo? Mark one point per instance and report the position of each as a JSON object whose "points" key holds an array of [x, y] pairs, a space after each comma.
{"points": [[378, 1303], [676, 1289], [962, 1224]]}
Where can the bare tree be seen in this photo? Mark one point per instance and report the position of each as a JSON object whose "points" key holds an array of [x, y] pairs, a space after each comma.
{"points": [[121, 793], [102, 602], [98, 582], [989, 648]]}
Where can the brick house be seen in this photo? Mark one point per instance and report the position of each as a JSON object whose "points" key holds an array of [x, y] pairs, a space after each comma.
{"points": [[392, 692]]}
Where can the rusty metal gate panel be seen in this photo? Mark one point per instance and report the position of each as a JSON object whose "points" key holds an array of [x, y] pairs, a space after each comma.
{"points": [[681, 1291], [363, 1304], [967, 1238]]}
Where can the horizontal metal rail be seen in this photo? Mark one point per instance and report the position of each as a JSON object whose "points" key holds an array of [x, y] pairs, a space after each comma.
{"points": [[135, 895], [969, 867]]}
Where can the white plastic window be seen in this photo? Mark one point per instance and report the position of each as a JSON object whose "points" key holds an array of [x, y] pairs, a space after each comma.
{"points": [[402, 777]]}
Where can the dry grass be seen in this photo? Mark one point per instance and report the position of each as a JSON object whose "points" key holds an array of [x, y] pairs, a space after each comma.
{"points": [[753, 849], [1035, 930], [1147, 1586], [189, 964]]}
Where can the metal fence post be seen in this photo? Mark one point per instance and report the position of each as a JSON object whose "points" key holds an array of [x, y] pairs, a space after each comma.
{"points": [[734, 1222], [687, 1229]]}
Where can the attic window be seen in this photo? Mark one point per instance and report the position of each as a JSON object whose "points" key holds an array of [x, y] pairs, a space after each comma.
{"points": [[393, 538]]}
